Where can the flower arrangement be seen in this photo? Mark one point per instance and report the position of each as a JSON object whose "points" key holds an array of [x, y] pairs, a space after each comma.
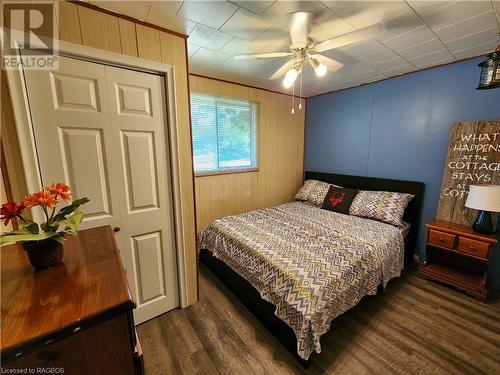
{"points": [[57, 225]]}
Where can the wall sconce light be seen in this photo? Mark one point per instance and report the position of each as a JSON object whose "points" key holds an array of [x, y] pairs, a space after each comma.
{"points": [[490, 71]]}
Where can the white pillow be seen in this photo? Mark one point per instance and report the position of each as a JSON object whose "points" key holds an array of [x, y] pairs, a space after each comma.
{"points": [[313, 191]]}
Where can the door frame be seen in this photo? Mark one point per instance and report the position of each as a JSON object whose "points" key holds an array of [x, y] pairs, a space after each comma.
{"points": [[25, 129]]}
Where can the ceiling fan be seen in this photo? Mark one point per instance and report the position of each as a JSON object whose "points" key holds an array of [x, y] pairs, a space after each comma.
{"points": [[305, 50]]}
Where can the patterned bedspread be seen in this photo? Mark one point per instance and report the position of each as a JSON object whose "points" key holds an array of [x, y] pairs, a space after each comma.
{"points": [[312, 264]]}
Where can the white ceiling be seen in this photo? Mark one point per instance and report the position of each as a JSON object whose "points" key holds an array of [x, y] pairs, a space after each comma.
{"points": [[417, 34]]}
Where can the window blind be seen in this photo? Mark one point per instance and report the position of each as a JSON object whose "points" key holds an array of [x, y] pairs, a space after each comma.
{"points": [[223, 133]]}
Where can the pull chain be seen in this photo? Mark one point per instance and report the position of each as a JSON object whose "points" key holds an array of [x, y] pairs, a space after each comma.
{"points": [[300, 92], [292, 111]]}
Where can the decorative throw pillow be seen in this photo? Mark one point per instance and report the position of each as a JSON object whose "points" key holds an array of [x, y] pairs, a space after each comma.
{"points": [[339, 199], [385, 206], [313, 191]]}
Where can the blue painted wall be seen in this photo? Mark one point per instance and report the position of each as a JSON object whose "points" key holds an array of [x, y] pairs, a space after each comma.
{"points": [[398, 128]]}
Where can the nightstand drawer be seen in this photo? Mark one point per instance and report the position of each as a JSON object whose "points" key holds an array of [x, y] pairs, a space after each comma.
{"points": [[441, 238], [458, 256], [473, 247]]}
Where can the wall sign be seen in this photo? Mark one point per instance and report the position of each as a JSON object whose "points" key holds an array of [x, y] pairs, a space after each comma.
{"points": [[473, 159]]}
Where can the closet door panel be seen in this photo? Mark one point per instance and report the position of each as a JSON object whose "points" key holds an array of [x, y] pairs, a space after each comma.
{"points": [[138, 153], [84, 155], [138, 119], [70, 114]]}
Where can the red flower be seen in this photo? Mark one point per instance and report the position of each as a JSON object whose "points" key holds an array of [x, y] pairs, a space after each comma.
{"points": [[10, 210], [60, 190], [42, 198]]}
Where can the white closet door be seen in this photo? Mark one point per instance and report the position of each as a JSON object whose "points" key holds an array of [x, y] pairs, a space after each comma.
{"points": [[103, 131], [70, 113], [138, 113]]}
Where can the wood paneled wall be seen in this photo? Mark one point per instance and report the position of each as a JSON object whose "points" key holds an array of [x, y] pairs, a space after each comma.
{"points": [[90, 27], [12, 169], [280, 156], [4, 198]]}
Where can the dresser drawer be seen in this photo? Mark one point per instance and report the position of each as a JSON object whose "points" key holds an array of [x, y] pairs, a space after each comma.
{"points": [[104, 348], [473, 247], [441, 238]]}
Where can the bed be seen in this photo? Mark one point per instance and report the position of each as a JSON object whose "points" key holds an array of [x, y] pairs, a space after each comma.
{"points": [[297, 267]]}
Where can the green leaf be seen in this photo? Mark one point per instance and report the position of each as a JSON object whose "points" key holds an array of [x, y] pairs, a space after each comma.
{"points": [[17, 237], [77, 218], [80, 201], [74, 221], [70, 225], [24, 229], [59, 239], [63, 212], [31, 232], [19, 231], [32, 228]]}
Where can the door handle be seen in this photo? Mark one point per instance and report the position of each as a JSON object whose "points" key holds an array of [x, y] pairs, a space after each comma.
{"points": [[117, 229]]}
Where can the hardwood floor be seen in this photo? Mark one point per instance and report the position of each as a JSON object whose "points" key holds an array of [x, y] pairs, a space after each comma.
{"points": [[414, 327]]}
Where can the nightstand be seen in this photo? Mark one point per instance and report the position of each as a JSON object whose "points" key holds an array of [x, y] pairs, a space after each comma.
{"points": [[458, 256]]}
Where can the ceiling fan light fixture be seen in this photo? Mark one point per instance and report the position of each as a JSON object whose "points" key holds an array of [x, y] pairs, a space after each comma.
{"points": [[290, 78], [319, 68]]}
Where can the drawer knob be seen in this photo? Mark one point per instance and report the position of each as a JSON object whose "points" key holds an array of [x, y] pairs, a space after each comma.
{"points": [[441, 239], [472, 247], [117, 229]]}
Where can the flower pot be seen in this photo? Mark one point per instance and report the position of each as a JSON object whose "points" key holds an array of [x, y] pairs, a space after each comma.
{"points": [[44, 254]]}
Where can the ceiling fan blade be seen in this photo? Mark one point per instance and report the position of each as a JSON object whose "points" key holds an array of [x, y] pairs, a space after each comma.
{"points": [[331, 64], [262, 55], [299, 24], [284, 68], [369, 32]]}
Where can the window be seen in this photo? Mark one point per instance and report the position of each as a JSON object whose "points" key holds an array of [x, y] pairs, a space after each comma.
{"points": [[223, 133]]}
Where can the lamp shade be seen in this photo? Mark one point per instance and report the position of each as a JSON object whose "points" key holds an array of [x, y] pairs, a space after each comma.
{"points": [[484, 197]]}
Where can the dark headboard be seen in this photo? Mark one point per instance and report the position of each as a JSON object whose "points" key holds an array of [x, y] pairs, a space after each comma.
{"points": [[413, 211]]}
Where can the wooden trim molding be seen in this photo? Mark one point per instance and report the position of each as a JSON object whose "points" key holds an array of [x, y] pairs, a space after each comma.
{"points": [[346, 88], [244, 85], [6, 183], [225, 171], [401, 75], [128, 18], [5, 175], [304, 143], [192, 158]]}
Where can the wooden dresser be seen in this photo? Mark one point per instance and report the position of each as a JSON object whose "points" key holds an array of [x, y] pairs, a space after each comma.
{"points": [[75, 317], [458, 256]]}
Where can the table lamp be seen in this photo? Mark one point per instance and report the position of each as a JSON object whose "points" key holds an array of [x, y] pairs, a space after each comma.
{"points": [[486, 199]]}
